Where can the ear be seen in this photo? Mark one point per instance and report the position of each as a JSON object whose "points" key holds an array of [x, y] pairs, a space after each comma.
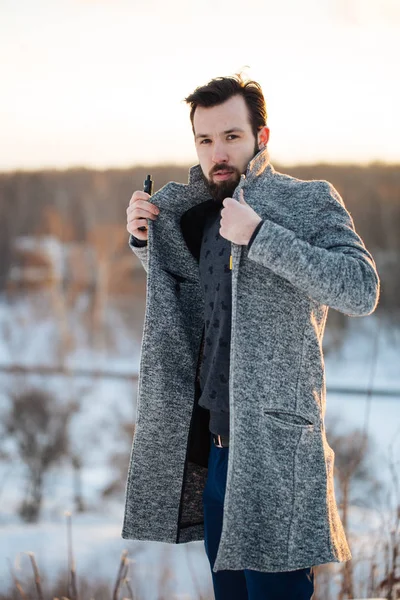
{"points": [[263, 137]]}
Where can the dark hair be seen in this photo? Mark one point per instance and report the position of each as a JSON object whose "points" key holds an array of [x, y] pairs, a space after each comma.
{"points": [[220, 89]]}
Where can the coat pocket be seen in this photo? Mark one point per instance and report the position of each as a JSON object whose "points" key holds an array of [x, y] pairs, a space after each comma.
{"points": [[288, 418], [288, 452]]}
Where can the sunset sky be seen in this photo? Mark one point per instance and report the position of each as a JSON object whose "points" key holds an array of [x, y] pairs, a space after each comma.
{"points": [[101, 83]]}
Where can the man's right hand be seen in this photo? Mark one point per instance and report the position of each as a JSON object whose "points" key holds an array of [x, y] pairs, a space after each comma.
{"points": [[138, 211]]}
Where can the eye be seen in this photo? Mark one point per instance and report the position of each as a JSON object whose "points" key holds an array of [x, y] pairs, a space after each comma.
{"points": [[205, 140], [232, 135]]}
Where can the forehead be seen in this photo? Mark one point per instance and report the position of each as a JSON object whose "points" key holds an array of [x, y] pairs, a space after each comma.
{"points": [[229, 114]]}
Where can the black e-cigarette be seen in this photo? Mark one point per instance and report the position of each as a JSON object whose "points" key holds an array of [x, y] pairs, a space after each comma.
{"points": [[148, 188]]}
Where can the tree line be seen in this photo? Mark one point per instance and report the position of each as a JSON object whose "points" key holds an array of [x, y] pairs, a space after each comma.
{"points": [[73, 203]]}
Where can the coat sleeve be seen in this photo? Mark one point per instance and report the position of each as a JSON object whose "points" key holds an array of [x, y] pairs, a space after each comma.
{"points": [[333, 267], [139, 247]]}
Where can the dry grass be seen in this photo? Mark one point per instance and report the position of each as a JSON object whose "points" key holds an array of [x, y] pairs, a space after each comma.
{"points": [[66, 587]]}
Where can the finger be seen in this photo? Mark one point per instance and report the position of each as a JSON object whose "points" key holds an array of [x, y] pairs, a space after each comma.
{"points": [[146, 205], [139, 195], [141, 235], [135, 224], [143, 208], [138, 215]]}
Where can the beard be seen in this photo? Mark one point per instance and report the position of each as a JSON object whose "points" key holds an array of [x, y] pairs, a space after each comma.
{"points": [[220, 190], [225, 188]]}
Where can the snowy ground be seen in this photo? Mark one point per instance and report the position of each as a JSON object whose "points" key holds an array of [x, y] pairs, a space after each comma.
{"points": [[96, 534], [97, 549]]}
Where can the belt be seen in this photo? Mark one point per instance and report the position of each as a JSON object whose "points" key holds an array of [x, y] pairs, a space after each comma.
{"points": [[221, 441]]}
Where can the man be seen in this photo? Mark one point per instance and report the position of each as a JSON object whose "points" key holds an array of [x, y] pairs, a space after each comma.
{"points": [[242, 266]]}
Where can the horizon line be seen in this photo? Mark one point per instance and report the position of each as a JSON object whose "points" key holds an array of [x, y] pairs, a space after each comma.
{"points": [[163, 164]]}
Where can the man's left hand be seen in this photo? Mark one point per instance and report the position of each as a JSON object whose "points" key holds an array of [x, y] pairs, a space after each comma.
{"points": [[238, 220]]}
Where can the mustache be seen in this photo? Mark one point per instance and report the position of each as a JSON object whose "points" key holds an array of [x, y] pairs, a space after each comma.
{"points": [[223, 169]]}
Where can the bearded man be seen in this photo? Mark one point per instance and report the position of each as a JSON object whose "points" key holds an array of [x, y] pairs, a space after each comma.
{"points": [[243, 264]]}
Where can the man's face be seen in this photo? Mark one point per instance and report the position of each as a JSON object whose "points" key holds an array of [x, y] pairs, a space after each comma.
{"points": [[224, 144]]}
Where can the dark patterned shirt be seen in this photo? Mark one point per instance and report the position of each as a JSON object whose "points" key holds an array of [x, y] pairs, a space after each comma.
{"points": [[216, 279]]}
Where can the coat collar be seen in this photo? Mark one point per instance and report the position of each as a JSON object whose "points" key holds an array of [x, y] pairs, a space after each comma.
{"points": [[179, 198]]}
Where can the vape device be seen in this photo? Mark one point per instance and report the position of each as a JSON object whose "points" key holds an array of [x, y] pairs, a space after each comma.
{"points": [[148, 188]]}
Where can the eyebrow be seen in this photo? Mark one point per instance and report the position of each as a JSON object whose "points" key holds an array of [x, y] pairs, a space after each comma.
{"points": [[206, 135]]}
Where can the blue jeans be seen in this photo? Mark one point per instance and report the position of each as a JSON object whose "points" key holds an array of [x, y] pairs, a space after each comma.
{"points": [[246, 584]]}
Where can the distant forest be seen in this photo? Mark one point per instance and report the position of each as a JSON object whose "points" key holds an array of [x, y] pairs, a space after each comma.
{"points": [[71, 204]]}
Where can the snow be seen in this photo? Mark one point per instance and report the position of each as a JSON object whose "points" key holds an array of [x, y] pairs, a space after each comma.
{"points": [[95, 431], [97, 549], [353, 366]]}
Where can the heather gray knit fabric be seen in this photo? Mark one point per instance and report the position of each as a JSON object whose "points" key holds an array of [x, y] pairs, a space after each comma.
{"points": [[280, 512]]}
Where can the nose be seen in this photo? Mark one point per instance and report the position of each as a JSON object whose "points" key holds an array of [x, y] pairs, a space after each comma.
{"points": [[219, 154]]}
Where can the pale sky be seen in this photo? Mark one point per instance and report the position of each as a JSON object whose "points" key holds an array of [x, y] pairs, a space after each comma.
{"points": [[101, 83]]}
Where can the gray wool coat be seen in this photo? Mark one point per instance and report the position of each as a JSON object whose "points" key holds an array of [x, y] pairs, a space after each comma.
{"points": [[280, 512]]}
